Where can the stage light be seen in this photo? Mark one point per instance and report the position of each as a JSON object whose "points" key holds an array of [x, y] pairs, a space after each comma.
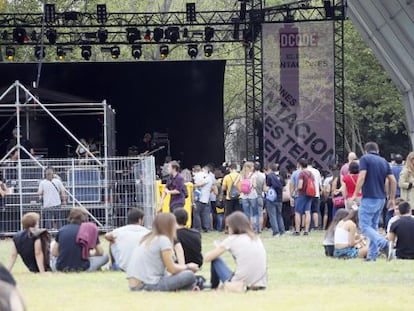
{"points": [[101, 13], [51, 35], [86, 52], [289, 18], [115, 52], [191, 12], [164, 51], [133, 35], [60, 53], [158, 34], [172, 34], [40, 52], [192, 51], [10, 53], [236, 29], [185, 33], [49, 13], [33, 35], [329, 11], [19, 35], [5, 35], [147, 35], [71, 16], [102, 35], [208, 50], [242, 10], [136, 51], [208, 34]]}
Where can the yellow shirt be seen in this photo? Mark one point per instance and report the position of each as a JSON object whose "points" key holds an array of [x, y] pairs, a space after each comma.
{"points": [[228, 181]]}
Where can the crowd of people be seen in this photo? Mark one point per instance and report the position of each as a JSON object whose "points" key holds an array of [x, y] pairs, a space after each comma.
{"points": [[351, 203]]}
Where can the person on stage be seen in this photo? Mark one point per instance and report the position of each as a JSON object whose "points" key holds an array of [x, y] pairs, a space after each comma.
{"points": [[23, 143]]}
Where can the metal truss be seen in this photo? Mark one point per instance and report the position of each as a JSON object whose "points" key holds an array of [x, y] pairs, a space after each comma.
{"points": [[76, 29]]}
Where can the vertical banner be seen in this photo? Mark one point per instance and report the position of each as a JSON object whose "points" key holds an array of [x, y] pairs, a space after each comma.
{"points": [[298, 93]]}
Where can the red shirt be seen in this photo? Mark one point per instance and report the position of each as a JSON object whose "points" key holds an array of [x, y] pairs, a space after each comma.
{"points": [[350, 182]]}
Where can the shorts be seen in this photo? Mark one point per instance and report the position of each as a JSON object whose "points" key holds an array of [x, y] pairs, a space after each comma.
{"points": [[346, 253], [316, 205], [303, 204]]}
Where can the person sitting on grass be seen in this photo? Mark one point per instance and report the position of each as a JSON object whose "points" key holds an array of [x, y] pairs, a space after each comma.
{"points": [[348, 243], [70, 251], [32, 244], [248, 251], [402, 230], [123, 239], [329, 242], [190, 239], [152, 267]]}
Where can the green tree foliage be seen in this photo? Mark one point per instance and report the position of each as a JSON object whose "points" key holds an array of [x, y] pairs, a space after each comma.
{"points": [[374, 109]]}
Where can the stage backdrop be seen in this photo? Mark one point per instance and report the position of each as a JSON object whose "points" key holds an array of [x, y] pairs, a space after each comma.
{"points": [[183, 98], [298, 68]]}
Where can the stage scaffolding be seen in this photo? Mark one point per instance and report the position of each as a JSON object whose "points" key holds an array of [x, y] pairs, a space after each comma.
{"points": [[106, 186]]}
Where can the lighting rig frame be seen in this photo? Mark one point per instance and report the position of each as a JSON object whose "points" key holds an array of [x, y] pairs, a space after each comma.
{"points": [[230, 26]]}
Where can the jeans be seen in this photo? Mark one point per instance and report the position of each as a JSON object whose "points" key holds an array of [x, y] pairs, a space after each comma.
{"points": [[202, 216], [184, 280], [52, 217], [369, 215], [274, 210], [96, 262], [219, 272], [251, 209]]}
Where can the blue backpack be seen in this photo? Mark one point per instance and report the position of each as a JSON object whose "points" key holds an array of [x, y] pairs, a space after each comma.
{"points": [[271, 195]]}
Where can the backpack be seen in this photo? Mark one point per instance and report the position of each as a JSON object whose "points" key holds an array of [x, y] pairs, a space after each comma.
{"points": [[246, 186], [271, 195], [310, 185], [234, 192]]}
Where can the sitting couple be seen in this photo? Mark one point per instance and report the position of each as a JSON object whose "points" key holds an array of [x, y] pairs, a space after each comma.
{"points": [[152, 266], [75, 249]]}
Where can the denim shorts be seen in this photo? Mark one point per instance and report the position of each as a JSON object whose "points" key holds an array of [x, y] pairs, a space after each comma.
{"points": [[347, 252], [303, 204]]}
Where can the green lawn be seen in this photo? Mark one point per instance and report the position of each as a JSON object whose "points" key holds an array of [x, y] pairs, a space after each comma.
{"points": [[300, 278]]}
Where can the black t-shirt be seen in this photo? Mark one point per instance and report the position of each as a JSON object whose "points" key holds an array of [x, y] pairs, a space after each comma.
{"points": [[70, 252], [24, 243], [6, 276], [404, 230], [191, 243]]}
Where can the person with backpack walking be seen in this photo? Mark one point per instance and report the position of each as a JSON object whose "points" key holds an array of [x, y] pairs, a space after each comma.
{"points": [[248, 194], [230, 187], [306, 193]]}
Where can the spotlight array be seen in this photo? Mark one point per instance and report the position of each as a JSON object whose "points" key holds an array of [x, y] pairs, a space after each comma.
{"points": [[164, 51], [10, 53], [86, 52]]}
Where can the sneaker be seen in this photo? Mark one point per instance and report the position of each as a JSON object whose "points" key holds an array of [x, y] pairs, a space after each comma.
{"points": [[275, 236], [296, 233], [305, 233]]}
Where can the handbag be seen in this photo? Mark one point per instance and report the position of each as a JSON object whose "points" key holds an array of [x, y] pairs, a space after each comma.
{"points": [[338, 201]]}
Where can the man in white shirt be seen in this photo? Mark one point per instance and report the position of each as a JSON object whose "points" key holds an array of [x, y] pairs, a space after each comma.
{"points": [[203, 183], [316, 201], [124, 239], [54, 196]]}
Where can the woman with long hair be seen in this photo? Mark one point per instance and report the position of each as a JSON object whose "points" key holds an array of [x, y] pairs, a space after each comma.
{"points": [[349, 182], [329, 242], [348, 243], [32, 244], [248, 194], [152, 267], [406, 180], [248, 252]]}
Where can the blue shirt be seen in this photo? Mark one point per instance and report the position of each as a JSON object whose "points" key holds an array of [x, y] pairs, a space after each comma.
{"points": [[295, 180], [396, 171], [377, 169]]}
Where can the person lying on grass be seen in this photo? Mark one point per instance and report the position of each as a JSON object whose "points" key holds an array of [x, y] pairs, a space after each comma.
{"points": [[248, 251], [348, 243], [32, 244], [152, 267]]}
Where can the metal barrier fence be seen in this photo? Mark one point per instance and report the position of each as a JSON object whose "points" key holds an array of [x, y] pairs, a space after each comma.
{"points": [[107, 190]]}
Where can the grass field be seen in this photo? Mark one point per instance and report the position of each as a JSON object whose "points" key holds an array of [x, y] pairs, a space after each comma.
{"points": [[300, 278]]}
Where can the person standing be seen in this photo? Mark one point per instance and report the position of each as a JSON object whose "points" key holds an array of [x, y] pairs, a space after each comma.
{"points": [[54, 196], [230, 187], [174, 187], [316, 200], [260, 184], [406, 180], [248, 194], [26, 144], [374, 172], [274, 207], [351, 158], [203, 183], [303, 202]]}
